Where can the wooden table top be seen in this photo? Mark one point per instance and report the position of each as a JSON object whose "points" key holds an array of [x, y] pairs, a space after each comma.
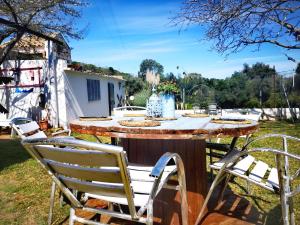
{"points": [[181, 128]]}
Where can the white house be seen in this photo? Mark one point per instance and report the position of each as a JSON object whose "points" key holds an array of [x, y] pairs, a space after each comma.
{"points": [[44, 83], [90, 94]]}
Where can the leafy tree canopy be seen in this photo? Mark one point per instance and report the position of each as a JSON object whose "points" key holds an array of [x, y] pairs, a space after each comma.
{"points": [[152, 65], [258, 70]]}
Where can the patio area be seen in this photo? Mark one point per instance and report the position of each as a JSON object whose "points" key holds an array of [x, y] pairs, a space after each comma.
{"points": [[24, 190]]}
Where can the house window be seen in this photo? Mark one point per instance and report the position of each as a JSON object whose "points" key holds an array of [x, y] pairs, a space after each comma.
{"points": [[93, 90]]}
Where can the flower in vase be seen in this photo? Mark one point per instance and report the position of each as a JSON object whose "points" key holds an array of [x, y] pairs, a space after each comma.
{"points": [[168, 87]]}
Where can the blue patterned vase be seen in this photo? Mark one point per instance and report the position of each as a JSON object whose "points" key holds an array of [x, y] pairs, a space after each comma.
{"points": [[168, 105]]}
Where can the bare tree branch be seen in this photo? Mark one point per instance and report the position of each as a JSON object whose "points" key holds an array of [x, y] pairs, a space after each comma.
{"points": [[236, 24], [30, 31], [40, 18]]}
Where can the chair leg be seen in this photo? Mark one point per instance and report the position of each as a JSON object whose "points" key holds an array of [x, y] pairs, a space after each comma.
{"points": [[216, 181], [291, 211], [221, 194], [150, 213], [284, 210], [184, 203], [13, 133], [211, 162], [72, 214], [52, 198]]}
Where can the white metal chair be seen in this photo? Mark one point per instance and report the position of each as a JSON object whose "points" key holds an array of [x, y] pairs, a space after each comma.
{"points": [[121, 111], [278, 178], [212, 109], [101, 171], [217, 149], [28, 129], [16, 120], [32, 130]]}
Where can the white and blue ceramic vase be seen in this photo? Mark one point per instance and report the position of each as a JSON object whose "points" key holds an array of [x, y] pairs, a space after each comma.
{"points": [[168, 105], [154, 105]]}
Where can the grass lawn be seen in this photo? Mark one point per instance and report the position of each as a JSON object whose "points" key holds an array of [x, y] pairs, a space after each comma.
{"points": [[25, 187]]}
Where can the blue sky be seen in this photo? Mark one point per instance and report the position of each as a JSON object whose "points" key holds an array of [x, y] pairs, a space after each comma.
{"points": [[123, 33]]}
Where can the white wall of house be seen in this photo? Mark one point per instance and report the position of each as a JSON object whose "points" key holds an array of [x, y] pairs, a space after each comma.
{"points": [[76, 94], [65, 90], [23, 101]]}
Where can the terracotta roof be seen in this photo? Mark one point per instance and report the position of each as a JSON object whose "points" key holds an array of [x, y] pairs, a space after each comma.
{"points": [[27, 42]]}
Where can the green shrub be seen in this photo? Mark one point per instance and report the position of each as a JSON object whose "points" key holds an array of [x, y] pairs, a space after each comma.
{"points": [[253, 103], [140, 98]]}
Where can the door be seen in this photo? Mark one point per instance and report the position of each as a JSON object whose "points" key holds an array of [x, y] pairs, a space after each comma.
{"points": [[111, 97]]}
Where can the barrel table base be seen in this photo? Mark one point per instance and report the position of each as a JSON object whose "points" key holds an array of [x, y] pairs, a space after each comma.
{"points": [[192, 152]]}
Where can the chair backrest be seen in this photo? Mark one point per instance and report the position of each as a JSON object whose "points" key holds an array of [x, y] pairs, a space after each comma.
{"points": [[29, 130], [121, 111], [83, 166], [212, 108], [238, 114], [129, 108]]}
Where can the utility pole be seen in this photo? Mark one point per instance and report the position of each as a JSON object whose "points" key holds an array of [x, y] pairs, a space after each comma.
{"points": [[183, 97], [287, 100]]}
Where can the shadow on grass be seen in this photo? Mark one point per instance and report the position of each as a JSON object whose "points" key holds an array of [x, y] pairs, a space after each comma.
{"points": [[232, 209], [236, 206], [11, 152], [274, 216]]}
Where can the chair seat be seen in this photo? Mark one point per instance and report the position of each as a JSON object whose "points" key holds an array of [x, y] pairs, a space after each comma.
{"points": [[141, 183], [258, 173], [39, 134], [217, 165]]}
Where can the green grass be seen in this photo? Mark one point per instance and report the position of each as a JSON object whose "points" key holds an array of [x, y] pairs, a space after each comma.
{"points": [[25, 187]]}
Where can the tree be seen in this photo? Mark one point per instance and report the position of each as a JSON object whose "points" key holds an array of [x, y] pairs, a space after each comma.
{"points": [[40, 18], [152, 65], [133, 84], [235, 24], [297, 79]]}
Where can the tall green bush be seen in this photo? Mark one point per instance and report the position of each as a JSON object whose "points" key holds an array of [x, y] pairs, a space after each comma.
{"points": [[140, 98]]}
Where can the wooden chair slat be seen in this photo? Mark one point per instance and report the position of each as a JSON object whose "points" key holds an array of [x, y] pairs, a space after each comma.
{"points": [[243, 165], [273, 178], [97, 188], [28, 127], [39, 134], [80, 157], [111, 175], [259, 171]]}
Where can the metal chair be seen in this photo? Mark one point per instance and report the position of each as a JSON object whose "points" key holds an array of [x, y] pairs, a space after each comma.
{"points": [[84, 170], [212, 109], [17, 120], [30, 129], [121, 111], [219, 150], [278, 179]]}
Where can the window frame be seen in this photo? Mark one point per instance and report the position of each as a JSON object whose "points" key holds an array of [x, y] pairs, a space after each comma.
{"points": [[93, 89]]}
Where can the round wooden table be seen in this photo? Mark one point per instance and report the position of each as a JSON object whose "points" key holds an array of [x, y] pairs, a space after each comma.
{"points": [[185, 136]]}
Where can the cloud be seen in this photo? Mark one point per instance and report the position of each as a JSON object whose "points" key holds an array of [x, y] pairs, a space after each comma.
{"points": [[250, 59]]}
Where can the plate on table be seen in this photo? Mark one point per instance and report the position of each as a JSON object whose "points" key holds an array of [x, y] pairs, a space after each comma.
{"points": [[197, 115], [93, 118], [134, 115], [230, 121], [159, 118], [139, 123]]}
